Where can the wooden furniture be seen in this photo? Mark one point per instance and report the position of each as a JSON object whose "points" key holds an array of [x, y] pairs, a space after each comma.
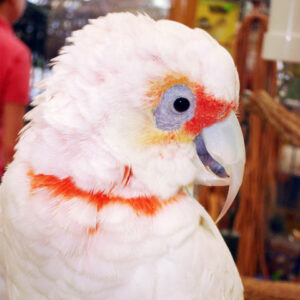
{"points": [[269, 290], [183, 11]]}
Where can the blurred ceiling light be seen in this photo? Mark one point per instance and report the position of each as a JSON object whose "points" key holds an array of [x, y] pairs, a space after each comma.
{"points": [[34, 1], [164, 4]]}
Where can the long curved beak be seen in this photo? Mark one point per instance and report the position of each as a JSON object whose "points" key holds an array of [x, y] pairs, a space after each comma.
{"points": [[221, 149]]}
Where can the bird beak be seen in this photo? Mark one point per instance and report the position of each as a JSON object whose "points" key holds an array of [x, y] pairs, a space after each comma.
{"points": [[221, 149]]}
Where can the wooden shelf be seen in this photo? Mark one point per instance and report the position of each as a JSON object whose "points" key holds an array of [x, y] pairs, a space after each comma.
{"points": [[269, 290]]}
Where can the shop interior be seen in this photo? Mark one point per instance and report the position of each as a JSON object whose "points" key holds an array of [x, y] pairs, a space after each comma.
{"points": [[262, 228]]}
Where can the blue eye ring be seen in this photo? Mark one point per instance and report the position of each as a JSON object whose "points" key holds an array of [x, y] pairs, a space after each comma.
{"points": [[176, 107]]}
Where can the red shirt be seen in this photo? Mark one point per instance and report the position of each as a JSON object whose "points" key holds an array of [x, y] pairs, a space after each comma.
{"points": [[15, 65]]}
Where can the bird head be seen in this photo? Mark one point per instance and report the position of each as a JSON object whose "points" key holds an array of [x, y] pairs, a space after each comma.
{"points": [[139, 107]]}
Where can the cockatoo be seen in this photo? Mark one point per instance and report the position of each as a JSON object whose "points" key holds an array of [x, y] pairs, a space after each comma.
{"points": [[94, 204]]}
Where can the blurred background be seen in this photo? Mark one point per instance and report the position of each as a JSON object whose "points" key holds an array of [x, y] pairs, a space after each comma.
{"points": [[262, 228]]}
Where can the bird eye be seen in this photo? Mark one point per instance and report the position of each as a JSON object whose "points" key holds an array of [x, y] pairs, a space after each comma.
{"points": [[181, 104], [176, 107]]}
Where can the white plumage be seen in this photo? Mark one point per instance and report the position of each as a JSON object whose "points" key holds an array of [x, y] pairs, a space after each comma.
{"points": [[68, 228]]}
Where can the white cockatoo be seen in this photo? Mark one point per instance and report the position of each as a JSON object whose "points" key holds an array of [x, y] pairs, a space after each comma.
{"points": [[93, 205]]}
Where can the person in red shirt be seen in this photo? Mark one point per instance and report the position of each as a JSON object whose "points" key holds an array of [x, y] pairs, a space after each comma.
{"points": [[15, 65]]}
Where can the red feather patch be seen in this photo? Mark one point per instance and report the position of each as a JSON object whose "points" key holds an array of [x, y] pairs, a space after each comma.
{"points": [[209, 110], [67, 189], [127, 175]]}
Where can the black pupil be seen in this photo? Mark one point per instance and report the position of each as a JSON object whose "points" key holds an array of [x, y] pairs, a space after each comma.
{"points": [[181, 104]]}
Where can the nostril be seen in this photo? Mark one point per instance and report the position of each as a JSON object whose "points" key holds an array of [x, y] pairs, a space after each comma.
{"points": [[207, 159]]}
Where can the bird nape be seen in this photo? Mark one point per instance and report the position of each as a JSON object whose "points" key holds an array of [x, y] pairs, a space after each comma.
{"points": [[93, 205]]}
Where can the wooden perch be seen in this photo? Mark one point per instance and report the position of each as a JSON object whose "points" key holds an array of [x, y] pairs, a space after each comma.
{"points": [[285, 123], [258, 190], [268, 290]]}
